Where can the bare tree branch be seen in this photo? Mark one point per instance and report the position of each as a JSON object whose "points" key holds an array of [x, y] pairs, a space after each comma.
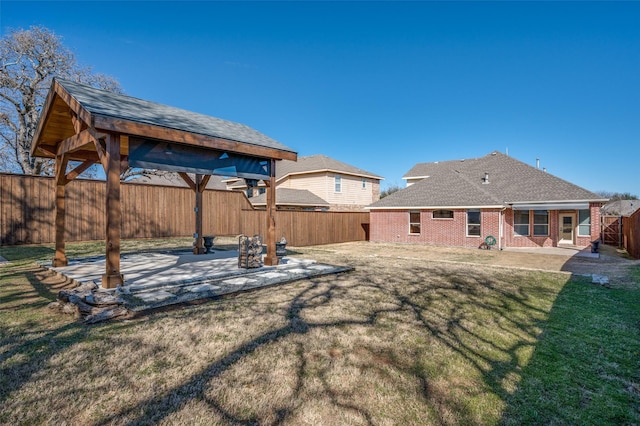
{"points": [[29, 59]]}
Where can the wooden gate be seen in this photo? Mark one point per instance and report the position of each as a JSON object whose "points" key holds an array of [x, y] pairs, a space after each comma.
{"points": [[612, 230]]}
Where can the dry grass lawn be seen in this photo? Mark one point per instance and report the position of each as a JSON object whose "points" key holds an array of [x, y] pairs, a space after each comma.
{"points": [[397, 341]]}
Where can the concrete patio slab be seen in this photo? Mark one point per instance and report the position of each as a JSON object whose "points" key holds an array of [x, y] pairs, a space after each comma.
{"points": [[153, 280], [569, 251]]}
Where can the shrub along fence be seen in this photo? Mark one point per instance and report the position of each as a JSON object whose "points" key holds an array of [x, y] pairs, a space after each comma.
{"points": [[27, 213]]}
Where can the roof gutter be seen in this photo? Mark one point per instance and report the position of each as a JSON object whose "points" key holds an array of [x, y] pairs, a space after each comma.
{"points": [[596, 200], [340, 172], [497, 206]]}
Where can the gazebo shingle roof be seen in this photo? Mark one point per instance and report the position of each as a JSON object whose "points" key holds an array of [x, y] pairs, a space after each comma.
{"points": [[115, 105]]}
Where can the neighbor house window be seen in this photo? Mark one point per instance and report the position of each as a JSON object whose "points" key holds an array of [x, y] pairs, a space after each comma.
{"points": [[540, 223], [473, 223], [521, 223], [584, 223], [338, 183], [443, 214], [414, 222], [364, 183]]}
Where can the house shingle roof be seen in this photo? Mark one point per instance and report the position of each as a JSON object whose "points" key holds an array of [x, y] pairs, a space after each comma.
{"points": [[621, 207], [291, 197], [116, 105], [460, 183]]}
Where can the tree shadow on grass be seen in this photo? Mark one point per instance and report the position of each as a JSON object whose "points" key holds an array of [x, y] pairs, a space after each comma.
{"points": [[480, 319], [33, 344]]}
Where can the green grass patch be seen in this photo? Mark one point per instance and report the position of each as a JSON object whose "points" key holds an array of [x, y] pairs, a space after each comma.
{"points": [[586, 365]]}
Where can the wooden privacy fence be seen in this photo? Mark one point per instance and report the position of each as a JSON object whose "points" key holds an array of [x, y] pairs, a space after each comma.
{"points": [[151, 211], [631, 234], [611, 230]]}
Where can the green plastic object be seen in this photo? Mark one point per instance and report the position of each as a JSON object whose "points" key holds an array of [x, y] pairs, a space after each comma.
{"points": [[490, 240]]}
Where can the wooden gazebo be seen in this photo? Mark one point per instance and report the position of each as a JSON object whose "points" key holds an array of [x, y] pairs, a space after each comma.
{"points": [[88, 125]]}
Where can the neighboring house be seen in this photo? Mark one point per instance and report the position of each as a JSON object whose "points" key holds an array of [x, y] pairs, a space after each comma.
{"points": [[620, 207], [292, 199], [341, 186], [461, 203], [612, 220]]}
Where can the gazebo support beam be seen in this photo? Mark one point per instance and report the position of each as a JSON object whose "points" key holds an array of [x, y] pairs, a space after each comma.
{"points": [[199, 243], [60, 257], [271, 259], [198, 187], [112, 276]]}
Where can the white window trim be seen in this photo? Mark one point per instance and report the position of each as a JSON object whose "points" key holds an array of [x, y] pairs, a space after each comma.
{"points": [[467, 223], [419, 223], [528, 224], [337, 184], [443, 218], [579, 224], [540, 224]]}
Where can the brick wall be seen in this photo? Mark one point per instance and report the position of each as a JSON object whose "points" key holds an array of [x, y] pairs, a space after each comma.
{"points": [[512, 240], [375, 191], [393, 226], [347, 208]]}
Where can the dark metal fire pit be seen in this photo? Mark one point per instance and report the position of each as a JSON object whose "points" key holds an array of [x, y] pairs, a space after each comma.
{"points": [[208, 242], [281, 248]]}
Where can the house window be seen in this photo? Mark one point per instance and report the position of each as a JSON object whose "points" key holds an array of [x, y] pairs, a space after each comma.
{"points": [[584, 223], [473, 223], [414, 222], [540, 223], [521, 223], [338, 183], [364, 183], [262, 190], [443, 214]]}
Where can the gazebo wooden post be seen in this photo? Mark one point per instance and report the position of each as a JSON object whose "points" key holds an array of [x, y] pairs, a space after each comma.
{"points": [[112, 276], [271, 258], [60, 257], [198, 247]]}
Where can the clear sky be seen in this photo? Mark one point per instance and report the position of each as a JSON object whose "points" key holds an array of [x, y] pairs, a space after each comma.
{"points": [[384, 85]]}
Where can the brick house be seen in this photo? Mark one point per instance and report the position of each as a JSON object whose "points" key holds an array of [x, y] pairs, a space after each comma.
{"points": [[462, 202], [337, 186]]}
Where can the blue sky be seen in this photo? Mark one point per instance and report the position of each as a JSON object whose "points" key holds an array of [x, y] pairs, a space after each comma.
{"points": [[384, 85]]}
